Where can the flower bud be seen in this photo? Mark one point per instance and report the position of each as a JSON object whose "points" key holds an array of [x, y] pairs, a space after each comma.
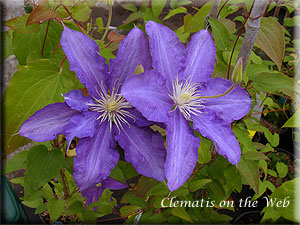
{"points": [[237, 74]]}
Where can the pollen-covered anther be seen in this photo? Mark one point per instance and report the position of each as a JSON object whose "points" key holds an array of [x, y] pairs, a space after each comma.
{"points": [[187, 98], [112, 108]]}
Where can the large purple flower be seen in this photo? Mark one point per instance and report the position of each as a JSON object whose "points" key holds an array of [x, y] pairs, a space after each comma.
{"points": [[103, 118], [173, 93]]}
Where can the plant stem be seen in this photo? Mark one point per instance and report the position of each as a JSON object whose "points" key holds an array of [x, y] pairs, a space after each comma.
{"points": [[42, 52], [108, 24], [65, 185], [253, 26]]}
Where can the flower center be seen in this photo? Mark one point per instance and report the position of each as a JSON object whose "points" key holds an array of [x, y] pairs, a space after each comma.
{"points": [[112, 108], [186, 98]]}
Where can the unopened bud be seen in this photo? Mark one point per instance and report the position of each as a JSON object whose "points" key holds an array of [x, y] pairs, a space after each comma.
{"points": [[237, 74]]}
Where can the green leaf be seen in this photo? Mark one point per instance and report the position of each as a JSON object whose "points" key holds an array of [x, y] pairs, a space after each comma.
{"points": [[174, 12], [81, 12], [31, 88], [55, 208], [159, 189], [218, 165], [117, 174], [233, 177], [282, 169], [40, 13], [18, 180], [291, 22], [130, 7], [41, 208], [24, 44], [42, 166], [274, 82], [18, 24], [128, 169], [7, 46], [220, 33], [272, 173], [183, 190], [196, 22], [293, 121], [270, 39], [157, 6], [133, 16], [182, 35], [104, 204], [196, 185], [287, 191], [204, 151], [250, 172], [34, 203], [182, 213], [175, 3], [271, 215], [218, 218], [262, 187], [76, 207], [128, 209], [99, 24], [16, 163], [270, 185], [264, 166], [254, 155], [134, 200]]}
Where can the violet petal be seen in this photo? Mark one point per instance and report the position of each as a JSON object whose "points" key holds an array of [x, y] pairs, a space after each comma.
{"points": [[82, 125], [222, 135], [168, 54], [46, 123], [148, 93], [201, 52], [232, 106], [84, 58], [133, 50], [95, 157], [76, 100], [144, 148], [182, 150]]}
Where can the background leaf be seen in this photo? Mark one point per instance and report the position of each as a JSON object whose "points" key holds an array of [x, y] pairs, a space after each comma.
{"points": [[250, 172], [41, 167], [24, 44], [18, 24], [274, 82], [270, 39], [55, 208], [173, 12], [220, 33], [81, 12], [16, 163], [157, 6], [31, 88]]}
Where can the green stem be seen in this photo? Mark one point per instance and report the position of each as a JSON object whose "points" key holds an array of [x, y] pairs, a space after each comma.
{"points": [[220, 95], [108, 24], [65, 185]]}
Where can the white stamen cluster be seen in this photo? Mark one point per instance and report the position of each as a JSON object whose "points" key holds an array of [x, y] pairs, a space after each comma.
{"points": [[187, 98], [112, 107]]}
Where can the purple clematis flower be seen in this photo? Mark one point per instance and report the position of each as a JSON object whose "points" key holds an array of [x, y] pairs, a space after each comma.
{"points": [[104, 117], [173, 93]]}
